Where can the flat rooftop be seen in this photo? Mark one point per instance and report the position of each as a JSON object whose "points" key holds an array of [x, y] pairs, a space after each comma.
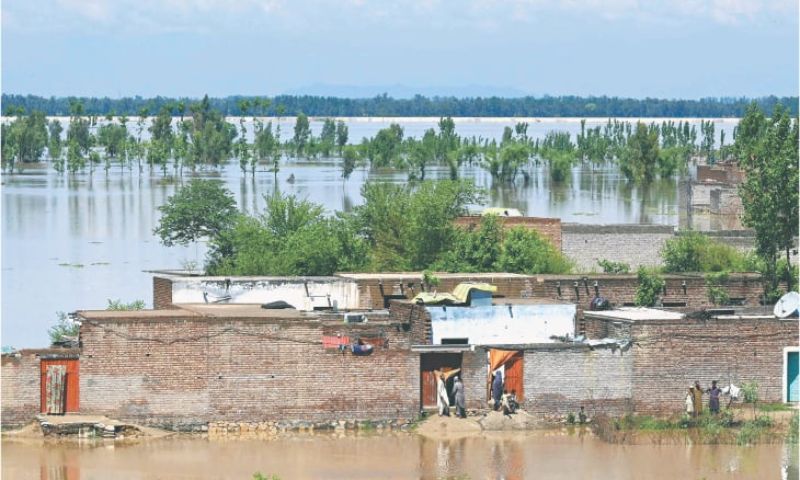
{"points": [[633, 314], [404, 275], [226, 311]]}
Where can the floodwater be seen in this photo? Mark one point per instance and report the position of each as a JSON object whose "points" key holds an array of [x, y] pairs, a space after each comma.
{"points": [[493, 456], [73, 242]]}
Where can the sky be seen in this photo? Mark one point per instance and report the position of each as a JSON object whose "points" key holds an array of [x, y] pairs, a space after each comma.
{"points": [[630, 48]]}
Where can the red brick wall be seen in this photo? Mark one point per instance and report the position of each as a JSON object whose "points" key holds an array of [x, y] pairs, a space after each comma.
{"points": [[670, 355], [20, 389], [619, 289], [549, 228], [162, 293], [185, 372]]}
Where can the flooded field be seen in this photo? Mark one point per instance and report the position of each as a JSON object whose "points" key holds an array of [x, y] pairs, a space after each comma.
{"points": [[498, 456], [74, 241]]}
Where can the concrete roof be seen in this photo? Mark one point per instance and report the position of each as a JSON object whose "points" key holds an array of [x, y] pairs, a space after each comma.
{"points": [[403, 275], [224, 311], [634, 314]]}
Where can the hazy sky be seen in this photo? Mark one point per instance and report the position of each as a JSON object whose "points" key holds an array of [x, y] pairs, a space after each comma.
{"points": [[637, 48]]}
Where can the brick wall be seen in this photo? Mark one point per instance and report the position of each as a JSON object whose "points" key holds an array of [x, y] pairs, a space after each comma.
{"points": [[549, 228], [184, 372], [632, 244], [559, 379], [20, 389], [670, 355], [162, 293]]}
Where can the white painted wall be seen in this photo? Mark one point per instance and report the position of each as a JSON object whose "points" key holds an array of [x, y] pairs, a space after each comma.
{"points": [[343, 292], [497, 325]]}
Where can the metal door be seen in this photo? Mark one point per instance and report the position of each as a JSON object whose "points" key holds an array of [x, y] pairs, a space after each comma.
{"points": [[59, 385], [793, 372]]}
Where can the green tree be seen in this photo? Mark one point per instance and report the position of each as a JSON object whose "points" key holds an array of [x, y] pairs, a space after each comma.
{"points": [[349, 161], [640, 156], [200, 209], [302, 134], [341, 135], [767, 149], [55, 144]]}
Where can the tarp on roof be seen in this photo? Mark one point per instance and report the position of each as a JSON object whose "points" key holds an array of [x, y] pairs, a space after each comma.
{"points": [[460, 294]]}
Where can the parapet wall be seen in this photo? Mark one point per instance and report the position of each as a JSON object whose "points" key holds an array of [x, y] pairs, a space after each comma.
{"points": [[635, 245], [549, 228]]}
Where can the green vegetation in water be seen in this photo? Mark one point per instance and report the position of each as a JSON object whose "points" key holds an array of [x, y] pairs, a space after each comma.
{"points": [[261, 476], [720, 428]]}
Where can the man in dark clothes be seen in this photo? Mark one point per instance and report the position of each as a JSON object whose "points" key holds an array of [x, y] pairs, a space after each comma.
{"points": [[497, 389], [713, 400], [458, 391]]}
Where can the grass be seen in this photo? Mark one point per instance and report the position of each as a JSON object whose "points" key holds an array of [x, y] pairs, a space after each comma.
{"points": [[794, 429], [774, 407], [710, 429]]}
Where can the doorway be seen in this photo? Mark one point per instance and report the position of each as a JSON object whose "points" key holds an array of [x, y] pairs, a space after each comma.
{"points": [[791, 374], [430, 365], [59, 386]]}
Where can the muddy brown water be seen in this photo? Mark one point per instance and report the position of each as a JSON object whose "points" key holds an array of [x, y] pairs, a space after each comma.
{"points": [[552, 455]]}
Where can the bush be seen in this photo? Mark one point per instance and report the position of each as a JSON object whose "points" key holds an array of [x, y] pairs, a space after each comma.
{"points": [[525, 251], [651, 284], [695, 252], [715, 282], [63, 328], [614, 267]]}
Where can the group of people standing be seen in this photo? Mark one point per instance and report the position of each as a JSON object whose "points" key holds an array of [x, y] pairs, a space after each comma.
{"points": [[694, 399], [443, 400]]}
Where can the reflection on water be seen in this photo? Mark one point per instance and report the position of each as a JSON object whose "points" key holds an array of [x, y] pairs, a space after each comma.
{"points": [[503, 456]]}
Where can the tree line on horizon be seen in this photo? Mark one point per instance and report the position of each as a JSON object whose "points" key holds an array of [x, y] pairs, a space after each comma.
{"points": [[417, 106], [201, 137]]}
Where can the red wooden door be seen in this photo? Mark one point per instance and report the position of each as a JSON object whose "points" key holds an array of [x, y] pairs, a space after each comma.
{"points": [[513, 380], [72, 382]]}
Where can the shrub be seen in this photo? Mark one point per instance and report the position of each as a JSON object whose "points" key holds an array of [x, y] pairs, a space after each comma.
{"points": [[63, 328], [716, 293], [614, 267], [651, 284], [570, 418], [525, 251], [695, 252]]}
